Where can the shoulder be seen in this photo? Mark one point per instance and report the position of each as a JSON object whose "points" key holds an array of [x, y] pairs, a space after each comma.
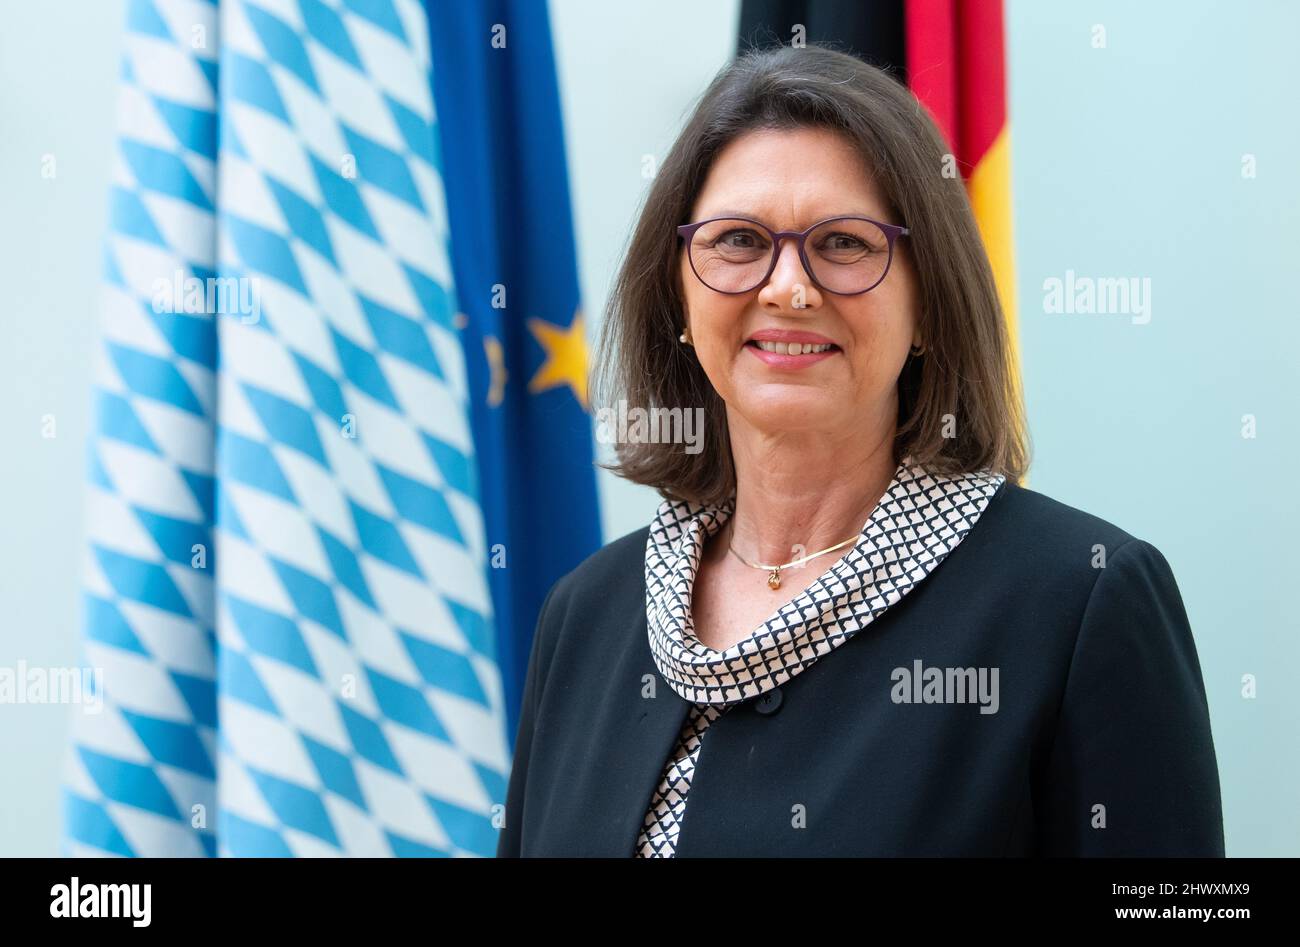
{"points": [[1046, 535], [1037, 557], [611, 565], [590, 611], [1117, 592], [615, 573]]}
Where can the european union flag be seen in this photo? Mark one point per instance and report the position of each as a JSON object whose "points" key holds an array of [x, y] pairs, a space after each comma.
{"points": [[516, 283]]}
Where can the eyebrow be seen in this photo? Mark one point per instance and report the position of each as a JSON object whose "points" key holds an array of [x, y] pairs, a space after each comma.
{"points": [[730, 212]]}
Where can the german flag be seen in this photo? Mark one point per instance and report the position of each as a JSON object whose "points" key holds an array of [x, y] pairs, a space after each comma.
{"points": [[951, 53], [956, 66]]}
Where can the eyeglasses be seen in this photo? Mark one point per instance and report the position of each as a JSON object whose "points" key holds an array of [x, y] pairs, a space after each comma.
{"points": [[847, 256]]}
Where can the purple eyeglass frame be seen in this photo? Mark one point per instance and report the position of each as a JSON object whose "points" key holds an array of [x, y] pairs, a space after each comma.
{"points": [[891, 231]]}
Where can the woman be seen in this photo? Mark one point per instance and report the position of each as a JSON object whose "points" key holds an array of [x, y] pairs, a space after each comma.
{"points": [[848, 630]]}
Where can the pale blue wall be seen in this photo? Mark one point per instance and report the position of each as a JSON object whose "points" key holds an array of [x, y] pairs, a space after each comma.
{"points": [[1127, 163], [58, 65]]}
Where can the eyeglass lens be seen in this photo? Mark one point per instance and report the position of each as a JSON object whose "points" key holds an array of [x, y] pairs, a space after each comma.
{"points": [[846, 255]]}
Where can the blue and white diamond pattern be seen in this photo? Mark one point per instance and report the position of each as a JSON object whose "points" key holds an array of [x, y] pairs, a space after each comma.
{"points": [[286, 584]]}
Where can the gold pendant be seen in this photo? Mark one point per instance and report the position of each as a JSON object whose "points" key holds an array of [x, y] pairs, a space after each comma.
{"points": [[774, 580]]}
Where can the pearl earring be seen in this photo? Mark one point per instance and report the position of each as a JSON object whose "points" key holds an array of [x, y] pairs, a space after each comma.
{"points": [[686, 336]]}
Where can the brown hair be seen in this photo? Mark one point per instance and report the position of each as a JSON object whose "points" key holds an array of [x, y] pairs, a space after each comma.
{"points": [[967, 369]]}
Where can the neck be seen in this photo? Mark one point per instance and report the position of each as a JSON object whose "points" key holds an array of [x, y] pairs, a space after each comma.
{"points": [[798, 492]]}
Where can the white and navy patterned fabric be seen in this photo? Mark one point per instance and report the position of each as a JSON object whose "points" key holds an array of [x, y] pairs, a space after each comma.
{"points": [[286, 582], [919, 520]]}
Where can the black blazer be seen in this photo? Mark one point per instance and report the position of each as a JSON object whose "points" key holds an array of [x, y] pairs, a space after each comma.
{"points": [[1100, 745]]}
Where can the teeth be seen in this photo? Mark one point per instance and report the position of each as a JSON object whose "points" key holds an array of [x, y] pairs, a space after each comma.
{"points": [[791, 348]]}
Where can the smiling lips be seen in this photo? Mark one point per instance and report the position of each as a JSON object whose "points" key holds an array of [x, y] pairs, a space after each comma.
{"points": [[792, 348], [781, 348]]}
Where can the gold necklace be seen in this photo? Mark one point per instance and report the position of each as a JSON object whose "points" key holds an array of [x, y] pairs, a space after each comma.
{"points": [[774, 572]]}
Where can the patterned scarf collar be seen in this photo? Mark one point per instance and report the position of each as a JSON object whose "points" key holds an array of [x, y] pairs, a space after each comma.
{"points": [[920, 519]]}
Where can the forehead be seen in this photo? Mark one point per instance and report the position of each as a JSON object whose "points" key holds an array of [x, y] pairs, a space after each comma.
{"points": [[789, 178]]}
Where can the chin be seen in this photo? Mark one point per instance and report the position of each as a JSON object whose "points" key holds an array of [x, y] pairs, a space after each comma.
{"points": [[784, 405]]}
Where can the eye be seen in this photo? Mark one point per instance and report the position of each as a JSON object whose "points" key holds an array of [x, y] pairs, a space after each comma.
{"points": [[841, 242], [740, 239]]}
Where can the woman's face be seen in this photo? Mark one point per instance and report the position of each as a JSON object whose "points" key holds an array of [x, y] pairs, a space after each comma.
{"points": [[790, 180]]}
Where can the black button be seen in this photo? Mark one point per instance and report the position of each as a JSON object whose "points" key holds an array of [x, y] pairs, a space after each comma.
{"points": [[768, 702]]}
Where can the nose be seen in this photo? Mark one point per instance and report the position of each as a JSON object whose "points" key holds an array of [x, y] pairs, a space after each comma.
{"points": [[790, 286]]}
